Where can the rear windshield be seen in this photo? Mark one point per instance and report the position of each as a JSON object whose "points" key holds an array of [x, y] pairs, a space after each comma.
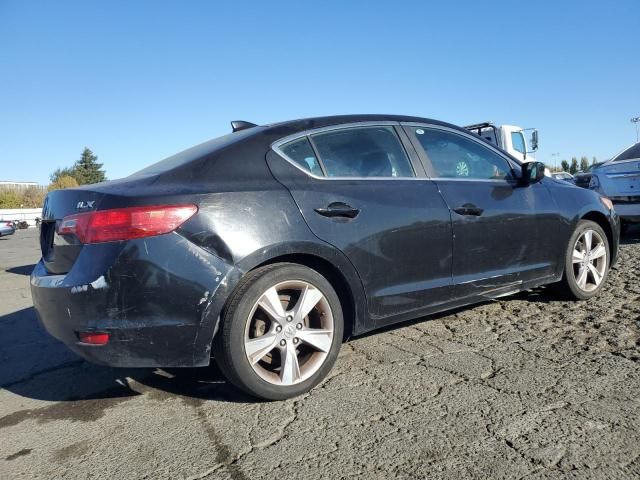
{"points": [[630, 153], [194, 153]]}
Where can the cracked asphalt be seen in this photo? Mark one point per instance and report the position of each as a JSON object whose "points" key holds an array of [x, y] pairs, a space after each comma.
{"points": [[525, 387]]}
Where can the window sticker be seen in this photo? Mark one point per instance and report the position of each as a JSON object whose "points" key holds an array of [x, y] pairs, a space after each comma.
{"points": [[419, 131]]}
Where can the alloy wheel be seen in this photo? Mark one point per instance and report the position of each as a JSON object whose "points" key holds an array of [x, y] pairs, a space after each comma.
{"points": [[289, 333], [589, 259]]}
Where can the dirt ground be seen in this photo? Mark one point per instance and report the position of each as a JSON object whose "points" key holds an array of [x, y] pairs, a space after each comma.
{"points": [[525, 387]]}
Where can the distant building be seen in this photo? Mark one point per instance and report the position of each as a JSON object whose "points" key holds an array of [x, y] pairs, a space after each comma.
{"points": [[7, 185]]}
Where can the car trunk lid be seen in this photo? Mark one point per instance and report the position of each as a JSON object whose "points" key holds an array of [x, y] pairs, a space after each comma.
{"points": [[625, 175], [60, 251]]}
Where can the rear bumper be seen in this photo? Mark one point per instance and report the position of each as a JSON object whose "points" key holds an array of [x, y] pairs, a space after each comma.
{"points": [[158, 298]]}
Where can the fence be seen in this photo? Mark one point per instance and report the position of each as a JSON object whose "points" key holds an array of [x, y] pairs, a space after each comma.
{"points": [[27, 214]]}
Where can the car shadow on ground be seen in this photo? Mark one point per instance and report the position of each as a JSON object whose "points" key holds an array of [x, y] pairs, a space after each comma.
{"points": [[22, 269], [35, 365]]}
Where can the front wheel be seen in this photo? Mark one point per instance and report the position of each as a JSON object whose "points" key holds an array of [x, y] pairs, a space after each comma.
{"points": [[281, 332], [586, 262]]}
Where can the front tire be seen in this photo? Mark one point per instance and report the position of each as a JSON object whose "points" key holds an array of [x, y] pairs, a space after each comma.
{"points": [[586, 262], [281, 332]]}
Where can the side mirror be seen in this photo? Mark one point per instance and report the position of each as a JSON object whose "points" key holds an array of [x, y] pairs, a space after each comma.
{"points": [[534, 140], [532, 172]]}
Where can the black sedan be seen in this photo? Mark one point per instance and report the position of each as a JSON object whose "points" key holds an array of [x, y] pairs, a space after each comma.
{"points": [[583, 178], [266, 248]]}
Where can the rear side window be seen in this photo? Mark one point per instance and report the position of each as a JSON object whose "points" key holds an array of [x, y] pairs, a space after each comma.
{"points": [[630, 153], [300, 152], [362, 152], [455, 156]]}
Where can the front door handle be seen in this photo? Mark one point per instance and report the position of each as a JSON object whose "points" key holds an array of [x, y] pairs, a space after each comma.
{"points": [[338, 209], [469, 209]]}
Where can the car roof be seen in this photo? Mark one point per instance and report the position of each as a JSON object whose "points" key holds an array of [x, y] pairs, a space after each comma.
{"points": [[310, 123]]}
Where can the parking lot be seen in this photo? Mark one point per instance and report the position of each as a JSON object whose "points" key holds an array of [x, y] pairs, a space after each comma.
{"points": [[527, 386]]}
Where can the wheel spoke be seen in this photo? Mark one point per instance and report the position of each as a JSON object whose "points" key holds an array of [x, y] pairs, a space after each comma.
{"points": [[309, 298], [270, 303], [581, 280], [578, 256], [258, 347], [588, 235], [319, 339], [290, 370], [599, 251], [597, 278]]}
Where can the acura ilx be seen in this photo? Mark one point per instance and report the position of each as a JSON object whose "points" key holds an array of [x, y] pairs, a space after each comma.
{"points": [[263, 250]]}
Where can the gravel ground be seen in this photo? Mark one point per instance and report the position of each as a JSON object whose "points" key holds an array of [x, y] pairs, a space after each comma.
{"points": [[527, 386]]}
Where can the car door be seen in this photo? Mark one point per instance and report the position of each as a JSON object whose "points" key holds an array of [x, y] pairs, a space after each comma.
{"points": [[361, 191], [500, 226]]}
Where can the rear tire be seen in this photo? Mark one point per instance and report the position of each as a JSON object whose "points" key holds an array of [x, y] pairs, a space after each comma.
{"points": [[281, 332], [586, 262]]}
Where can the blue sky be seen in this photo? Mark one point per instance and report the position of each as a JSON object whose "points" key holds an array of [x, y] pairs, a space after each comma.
{"points": [[138, 81]]}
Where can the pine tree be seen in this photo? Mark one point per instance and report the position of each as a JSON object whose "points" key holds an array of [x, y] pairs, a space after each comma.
{"points": [[594, 161], [565, 165], [574, 165], [87, 170]]}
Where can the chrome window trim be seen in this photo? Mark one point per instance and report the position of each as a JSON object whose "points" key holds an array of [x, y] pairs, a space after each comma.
{"points": [[480, 142], [275, 146]]}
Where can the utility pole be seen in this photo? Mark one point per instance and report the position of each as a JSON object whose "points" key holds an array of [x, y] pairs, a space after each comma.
{"points": [[554, 160], [636, 120]]}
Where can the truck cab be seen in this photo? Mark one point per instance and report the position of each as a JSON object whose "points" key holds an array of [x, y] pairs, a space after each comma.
{"points": [[510, 138]]}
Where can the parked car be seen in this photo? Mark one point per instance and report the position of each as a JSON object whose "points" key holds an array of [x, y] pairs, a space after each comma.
{"points": [[6, 228], [583, 177], [268, 246], [565, 176], [619, 179]]}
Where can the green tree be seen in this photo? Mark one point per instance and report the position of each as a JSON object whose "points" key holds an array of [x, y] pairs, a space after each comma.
{"points": [[33, 197], [65, 181], [594, 161], [584, 164], [574, 165], [61, 172], [564, 165], [87, 170], [10, 199]]}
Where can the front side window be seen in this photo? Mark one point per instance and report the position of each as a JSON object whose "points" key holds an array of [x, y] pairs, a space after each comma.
{"points": [[455, 156], [300, 152], [362, 152], [517, 140]]}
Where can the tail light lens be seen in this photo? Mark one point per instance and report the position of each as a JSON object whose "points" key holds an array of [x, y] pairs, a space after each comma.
{"points": [[125, 223], [93, 338]]}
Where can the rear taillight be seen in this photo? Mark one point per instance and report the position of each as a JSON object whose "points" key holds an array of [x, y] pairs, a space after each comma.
{"points": [[93, 338], [125, 223]]}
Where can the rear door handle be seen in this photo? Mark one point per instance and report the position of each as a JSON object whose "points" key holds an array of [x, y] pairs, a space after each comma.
{"points": [[469, 209], [338, 209]]}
